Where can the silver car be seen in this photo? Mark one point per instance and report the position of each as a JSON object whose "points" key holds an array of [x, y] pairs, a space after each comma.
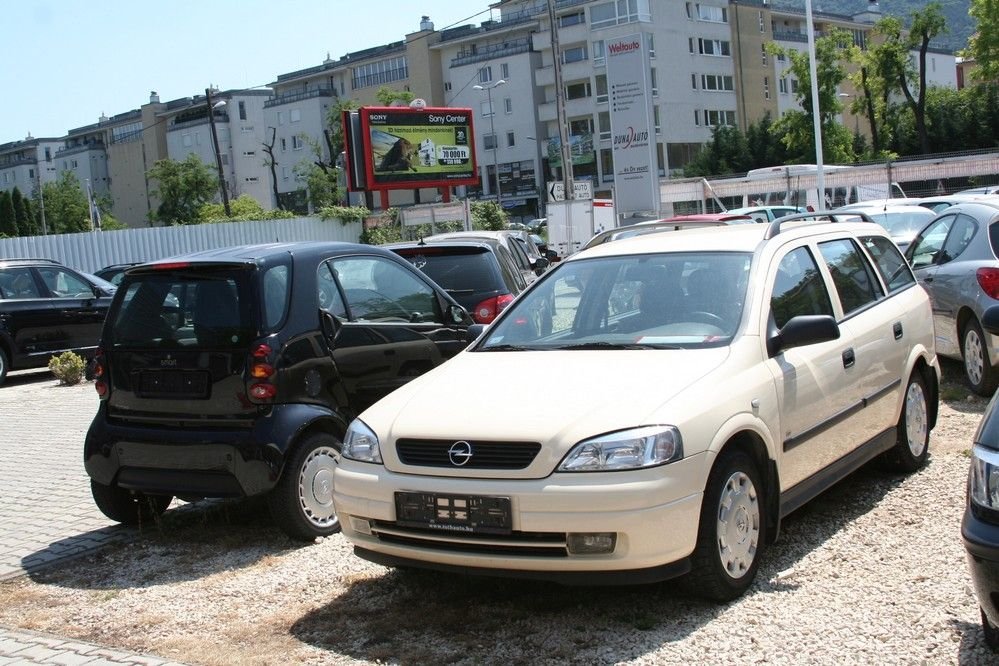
{"points": [[955, 259], [901, 221]]}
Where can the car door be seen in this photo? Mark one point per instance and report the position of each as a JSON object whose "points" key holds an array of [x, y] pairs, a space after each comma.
{"points": [[395, 325], [954, 282], [925, 255], [80, 311], [28, 317], [813, 382]]}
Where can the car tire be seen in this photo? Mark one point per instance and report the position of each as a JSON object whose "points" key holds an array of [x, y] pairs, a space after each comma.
{"points": [[302, 501], [913, 443], [991, 632], [128, 507], [978, 370], [4, 365], [732, 530]]}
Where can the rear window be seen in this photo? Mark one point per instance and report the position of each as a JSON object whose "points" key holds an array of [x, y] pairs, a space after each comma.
{"points": [[210, 311], [464, 269]]}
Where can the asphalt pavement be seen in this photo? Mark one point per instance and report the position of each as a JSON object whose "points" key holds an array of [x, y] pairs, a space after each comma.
{"points": [[47, 515]]}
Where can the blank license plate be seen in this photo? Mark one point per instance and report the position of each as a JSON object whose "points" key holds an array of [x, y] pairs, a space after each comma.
{"points": [[469, 514]]}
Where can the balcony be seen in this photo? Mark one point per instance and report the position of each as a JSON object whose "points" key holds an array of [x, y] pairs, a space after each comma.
{"points": [[194, 122], [544, 76], [547, 112], [511, 47], [298, 96], [81, 148], [789, 36]]}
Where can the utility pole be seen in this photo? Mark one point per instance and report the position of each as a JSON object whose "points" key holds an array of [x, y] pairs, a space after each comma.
{"points": [[218, 154], [563, 128]]}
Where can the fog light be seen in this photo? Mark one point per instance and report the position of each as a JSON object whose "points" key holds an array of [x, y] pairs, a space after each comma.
{"points": [[591, 543], [360, 525]]}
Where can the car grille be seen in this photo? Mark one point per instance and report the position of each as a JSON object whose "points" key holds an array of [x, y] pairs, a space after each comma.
{"points": [[533, 544], [483, 455]]}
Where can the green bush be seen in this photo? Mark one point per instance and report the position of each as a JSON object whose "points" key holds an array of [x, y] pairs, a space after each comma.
{"points": [[68, 367]]}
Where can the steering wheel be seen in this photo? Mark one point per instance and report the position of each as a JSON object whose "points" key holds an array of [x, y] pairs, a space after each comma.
{"points": [[707, 318]]}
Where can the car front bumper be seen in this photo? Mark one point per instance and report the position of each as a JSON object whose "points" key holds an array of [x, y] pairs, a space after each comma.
{"points": [[652, 513], [981, 541]]}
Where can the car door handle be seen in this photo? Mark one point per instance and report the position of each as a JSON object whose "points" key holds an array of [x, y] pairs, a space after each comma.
{"points": [[849, 358], [896, 329]]}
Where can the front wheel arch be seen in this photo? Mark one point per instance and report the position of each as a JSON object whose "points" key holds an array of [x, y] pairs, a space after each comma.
{"points": [[752, 445]]}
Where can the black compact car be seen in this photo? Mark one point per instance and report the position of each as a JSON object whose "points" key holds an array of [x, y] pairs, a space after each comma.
{"points": [[480, 274], [115, 273], [47, 309], [235, 372], [980, 526]]}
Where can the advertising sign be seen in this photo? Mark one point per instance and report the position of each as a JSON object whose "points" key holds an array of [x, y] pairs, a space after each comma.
{"points": [[629, 82], [407, 148]]}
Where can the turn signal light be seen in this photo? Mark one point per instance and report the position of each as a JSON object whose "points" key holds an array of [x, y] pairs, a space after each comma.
{"points": [[261, 370]]}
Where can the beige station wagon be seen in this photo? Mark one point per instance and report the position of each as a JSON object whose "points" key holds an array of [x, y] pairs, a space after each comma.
{"points": [[693, 388]]}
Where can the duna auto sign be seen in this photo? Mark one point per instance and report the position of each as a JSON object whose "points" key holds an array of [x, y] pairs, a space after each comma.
{"points": [[630, 138]]}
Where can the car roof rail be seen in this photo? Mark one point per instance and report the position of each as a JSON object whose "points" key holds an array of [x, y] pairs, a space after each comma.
{"points": [[817, 216], [31, 259]]}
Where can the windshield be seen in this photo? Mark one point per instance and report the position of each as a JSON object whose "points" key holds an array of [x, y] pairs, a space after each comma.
{"points": [[903, 223], [659, 301]]}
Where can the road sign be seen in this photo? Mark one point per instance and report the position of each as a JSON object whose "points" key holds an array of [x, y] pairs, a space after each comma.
{"points": [[582, 189]]}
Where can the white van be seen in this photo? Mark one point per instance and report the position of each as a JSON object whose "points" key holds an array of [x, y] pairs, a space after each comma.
{"points": [[796, 185]]}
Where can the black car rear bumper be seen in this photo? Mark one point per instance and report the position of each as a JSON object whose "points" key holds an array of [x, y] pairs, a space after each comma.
{"points": [[200, 462], [981, 540]]}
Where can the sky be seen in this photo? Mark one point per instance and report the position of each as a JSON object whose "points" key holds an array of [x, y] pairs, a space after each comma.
{"points": [[65, 62]]}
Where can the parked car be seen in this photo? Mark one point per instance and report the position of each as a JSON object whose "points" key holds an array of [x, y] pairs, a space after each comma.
{"points": [[938, 203], [524, 252], [987, 189], [675, 223], [903, 221], [480, 274], [766, 213], [955, 260], [115, 272], [47, 309], [699, 386], [102, 286], [980, 525], [234, 372]]}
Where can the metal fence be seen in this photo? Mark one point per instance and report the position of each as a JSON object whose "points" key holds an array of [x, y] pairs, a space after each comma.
{"points": [[93, 250]]}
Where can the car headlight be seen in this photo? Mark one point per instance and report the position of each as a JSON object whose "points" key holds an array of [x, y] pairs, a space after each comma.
{"points": [[361, 443], [635, 448], [983, 481]]}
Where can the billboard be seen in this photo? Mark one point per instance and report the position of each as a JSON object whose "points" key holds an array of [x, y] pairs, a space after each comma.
{"points": [[407, 148]]}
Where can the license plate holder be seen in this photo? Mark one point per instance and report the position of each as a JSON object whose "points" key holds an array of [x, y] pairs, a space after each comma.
{"points": [[460, 514]]}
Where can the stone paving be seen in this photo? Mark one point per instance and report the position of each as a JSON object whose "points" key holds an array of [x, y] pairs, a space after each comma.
{"points": [[47, 515]]}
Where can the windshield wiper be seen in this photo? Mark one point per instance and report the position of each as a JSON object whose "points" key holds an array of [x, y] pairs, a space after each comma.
{"points": [[507, 348], [616, 345]]}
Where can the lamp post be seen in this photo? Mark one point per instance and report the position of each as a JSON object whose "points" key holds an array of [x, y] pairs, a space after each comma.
{"points": [[492, 130], [816, 112], [215, 142]]}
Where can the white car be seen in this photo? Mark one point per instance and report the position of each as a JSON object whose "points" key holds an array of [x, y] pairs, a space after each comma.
{"points": [[690, 390]]}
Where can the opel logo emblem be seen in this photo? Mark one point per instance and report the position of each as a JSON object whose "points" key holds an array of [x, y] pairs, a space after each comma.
{"points": [[459, 453]]}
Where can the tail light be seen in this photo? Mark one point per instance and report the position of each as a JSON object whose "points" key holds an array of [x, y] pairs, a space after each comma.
{"points": [[988, 280], [486, 311], [261, 369], [100, 381]]}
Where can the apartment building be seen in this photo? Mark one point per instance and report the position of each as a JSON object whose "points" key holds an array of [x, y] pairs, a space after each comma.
{"points": [[28, 164]]}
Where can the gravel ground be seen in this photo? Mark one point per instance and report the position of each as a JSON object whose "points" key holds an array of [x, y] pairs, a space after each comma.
{"points": [[872, 572]]}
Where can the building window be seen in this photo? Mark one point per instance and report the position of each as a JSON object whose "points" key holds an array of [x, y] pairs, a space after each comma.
{"points": [[380, 73], [766, 87], [284, 173], [505, 70], [48, 154], [284, 145], [578, 90], [280, 117], [607, 164], [655, 119], [715, 47], [251, 179], [712, 13], [717, 82], [860, 39], [485, 108], [297, 143], [599, 55], [782, 85], [601, 80], [763, 26], [607, 14], [574, 54], [242, 110], [715, 118], [507, 105], [794, 86], [509, 139], [697, 117], [485, 74], [604, 125], [295, 115], [447, 86], [31, 174], [655, 82], [489, 141], [187, 140], [650, 38], [763, 53], [249, 153], [576, 18]]}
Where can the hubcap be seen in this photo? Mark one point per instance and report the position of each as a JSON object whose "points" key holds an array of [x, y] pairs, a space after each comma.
{"points": [[315, 487], [738, 524], [915, 419], [974, 359]]}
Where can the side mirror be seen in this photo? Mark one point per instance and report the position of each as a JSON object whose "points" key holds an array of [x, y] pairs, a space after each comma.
{"points": [[458, 314], [803, 330], [540, 264], [552, 256], [990, 320], [330, 324]]}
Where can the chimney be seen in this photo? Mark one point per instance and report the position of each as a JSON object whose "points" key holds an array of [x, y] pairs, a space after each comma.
{"points": [[103, 118], [426, 24], [154, 98]]}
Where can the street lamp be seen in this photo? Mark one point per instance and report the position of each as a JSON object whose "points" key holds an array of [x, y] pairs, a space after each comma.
{"points": [[816, 114], [215, 142], [492, 130]]}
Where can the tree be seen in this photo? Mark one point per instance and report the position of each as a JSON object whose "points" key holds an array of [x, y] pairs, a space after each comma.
{"points": [[726, 152], [66, 207], [8, 221], [22, 213], [244, 207], [33, 226], [322, 175], [387, 96], [182, 188], [271, 162], [984, 44], [797, 127], [488, 215]]}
